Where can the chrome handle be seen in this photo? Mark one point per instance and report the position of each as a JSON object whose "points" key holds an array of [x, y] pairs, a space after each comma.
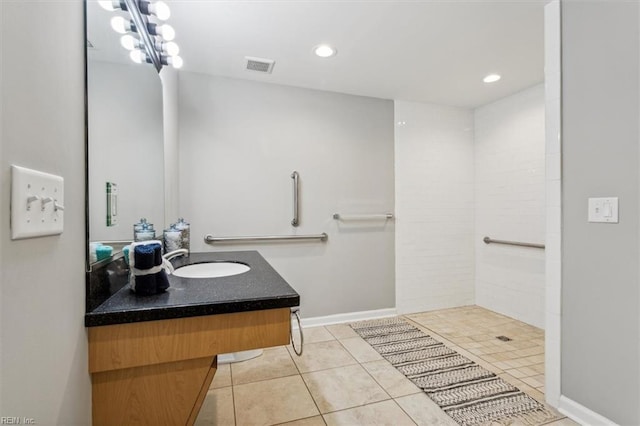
{"points": [[381, 216], [296, 312], [296, 220], [210, 239], [488, 240]]}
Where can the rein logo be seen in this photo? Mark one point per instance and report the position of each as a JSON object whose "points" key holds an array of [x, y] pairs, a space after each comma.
{"points": [[7, 420]]}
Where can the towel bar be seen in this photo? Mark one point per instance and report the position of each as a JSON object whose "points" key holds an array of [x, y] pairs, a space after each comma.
{"points": [[380, 216], [488, 240], [210, 239]]}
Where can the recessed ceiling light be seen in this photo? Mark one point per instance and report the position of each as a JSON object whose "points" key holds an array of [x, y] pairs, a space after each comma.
{"points": [[325, 51], [491, 78]]}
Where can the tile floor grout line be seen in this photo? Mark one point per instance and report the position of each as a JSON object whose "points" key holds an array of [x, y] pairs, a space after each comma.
{"points": [[358, 406], [297, 420], [367, 371], [404, 411], [304, 381], [233, 396], [264, 380]]}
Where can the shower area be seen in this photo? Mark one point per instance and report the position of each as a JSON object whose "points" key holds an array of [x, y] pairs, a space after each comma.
{"points": [[463, 175], [470, 193]]}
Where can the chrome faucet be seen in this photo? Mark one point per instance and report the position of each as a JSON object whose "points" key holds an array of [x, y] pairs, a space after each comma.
{"points": [[176, 253], [172, 254]]}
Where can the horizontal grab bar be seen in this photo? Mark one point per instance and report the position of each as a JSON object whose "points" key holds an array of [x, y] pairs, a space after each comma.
{"points": [[210, 239], [384, 216], [488, 240], [108, 242]]}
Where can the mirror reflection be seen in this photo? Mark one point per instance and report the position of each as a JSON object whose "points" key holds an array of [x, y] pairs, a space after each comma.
{"points": [[125, 138]]}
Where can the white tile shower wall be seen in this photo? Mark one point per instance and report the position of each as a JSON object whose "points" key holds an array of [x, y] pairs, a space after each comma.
{"points": [[240, 142], [510, 205], [434, 205]]}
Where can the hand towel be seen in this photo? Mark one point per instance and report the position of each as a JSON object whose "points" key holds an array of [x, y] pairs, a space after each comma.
{"points": [[147, 275]]}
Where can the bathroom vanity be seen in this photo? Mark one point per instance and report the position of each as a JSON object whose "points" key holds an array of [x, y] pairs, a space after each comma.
{"points": [[152, 358]]}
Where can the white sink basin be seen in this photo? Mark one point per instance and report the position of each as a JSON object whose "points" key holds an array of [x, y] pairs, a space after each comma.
{"points": [[211, 270]]}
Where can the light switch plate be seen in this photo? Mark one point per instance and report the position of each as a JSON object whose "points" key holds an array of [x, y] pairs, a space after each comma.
{"points": [[603, 210], [37, 203]]}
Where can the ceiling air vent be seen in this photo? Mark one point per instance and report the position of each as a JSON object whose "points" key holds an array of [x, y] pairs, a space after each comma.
{"points": [[260, 64]]}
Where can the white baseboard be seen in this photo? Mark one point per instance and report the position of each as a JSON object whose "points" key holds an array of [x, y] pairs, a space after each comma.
{"points": [[582, 414], [348, 317]]}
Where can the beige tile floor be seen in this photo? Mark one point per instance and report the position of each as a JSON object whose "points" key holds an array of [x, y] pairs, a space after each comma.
{"points": [[341, 380]]}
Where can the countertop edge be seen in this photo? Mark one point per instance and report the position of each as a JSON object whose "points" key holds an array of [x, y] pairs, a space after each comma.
{"points": [[126, 317], [284, 297]]}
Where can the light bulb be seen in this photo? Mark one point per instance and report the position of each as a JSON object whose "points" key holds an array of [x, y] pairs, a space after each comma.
{"points": [[491, 78], [121, 25], [138, 56], [167, 32], [107, 5], [324, 51], [176, 62], [161, 10], [129, 42], [171, 48]]}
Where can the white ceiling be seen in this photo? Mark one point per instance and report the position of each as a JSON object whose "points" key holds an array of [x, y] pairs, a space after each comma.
{"points": [[433, 51]]}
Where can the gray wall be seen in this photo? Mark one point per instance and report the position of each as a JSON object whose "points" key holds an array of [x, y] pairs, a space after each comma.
{"points": [[600, 300], [239, 143], [44, 344]]}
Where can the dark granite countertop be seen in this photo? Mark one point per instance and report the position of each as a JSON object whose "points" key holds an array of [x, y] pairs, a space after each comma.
{"points": [[259, 288]]}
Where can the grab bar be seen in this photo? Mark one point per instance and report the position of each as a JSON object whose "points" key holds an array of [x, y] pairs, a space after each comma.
{"points": [[488, 240], [210, 239], [384, 216], [296, 220]]}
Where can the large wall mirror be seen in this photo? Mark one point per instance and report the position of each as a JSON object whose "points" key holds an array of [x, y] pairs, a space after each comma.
{"points": [[125, 138]]}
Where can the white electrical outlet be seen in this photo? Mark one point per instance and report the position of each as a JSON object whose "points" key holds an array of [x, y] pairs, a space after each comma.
{"points": [[37, 203]]}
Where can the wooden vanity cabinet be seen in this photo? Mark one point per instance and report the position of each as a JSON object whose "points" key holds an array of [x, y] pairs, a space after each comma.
{"points": [[159, 372]]}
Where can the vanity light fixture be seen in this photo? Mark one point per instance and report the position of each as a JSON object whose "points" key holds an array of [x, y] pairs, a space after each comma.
{"points": [[174, 61], [112, 5], [166, 31], [492, 78], [140, 56], [148, 41], [122, 26], [324, 51], [130, 42], [168, 48], [159, 9]]}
